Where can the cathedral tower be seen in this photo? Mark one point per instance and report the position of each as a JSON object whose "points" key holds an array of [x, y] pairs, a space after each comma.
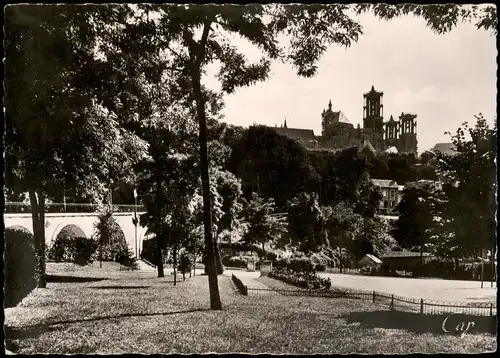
{"points": [[373, 111], [407, 142]]}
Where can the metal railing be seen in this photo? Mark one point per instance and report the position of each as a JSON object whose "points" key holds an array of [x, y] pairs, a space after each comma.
{"points": [[25, 208], [345, 270], [394, 302]]}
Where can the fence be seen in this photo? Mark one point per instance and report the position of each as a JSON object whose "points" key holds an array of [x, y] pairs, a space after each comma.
{"points": [[350, 271], [394, 302], [25, 208], [239, 285]]}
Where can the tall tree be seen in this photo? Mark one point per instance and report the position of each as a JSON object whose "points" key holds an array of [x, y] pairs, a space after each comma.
{"points": [[468, 217], [166, 182], [306, 223], [62, 137], [269, 164], [416, 215], [262, 226], [342, 226]]}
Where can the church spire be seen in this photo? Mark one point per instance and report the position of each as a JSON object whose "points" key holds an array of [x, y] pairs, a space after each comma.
{"points": [[284, 125], [330, 104]]}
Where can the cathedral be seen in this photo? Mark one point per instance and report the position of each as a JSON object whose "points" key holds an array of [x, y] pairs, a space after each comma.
{"points": [[376, 135]]}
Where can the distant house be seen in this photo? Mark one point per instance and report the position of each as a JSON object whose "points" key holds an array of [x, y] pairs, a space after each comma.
{"points": [[404, 260], [370, 261], [391, 194]]}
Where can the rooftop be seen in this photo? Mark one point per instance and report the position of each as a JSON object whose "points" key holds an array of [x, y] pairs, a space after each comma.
{"points": [[445, 148], [385, 183], [374, 258]]}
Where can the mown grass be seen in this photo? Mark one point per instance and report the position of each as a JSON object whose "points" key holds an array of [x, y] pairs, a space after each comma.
{"points": [[148, 315]]}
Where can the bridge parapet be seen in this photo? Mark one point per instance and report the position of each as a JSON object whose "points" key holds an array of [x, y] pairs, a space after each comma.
{"points": [[25, 208]]}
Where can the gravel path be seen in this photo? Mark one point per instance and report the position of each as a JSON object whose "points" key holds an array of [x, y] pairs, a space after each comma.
{"points": [[430, 289]]}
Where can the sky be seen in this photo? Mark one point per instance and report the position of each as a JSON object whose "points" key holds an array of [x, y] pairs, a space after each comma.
{"points": [[444, 79]]}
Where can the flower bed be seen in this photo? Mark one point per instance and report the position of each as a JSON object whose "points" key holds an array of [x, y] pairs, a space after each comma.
{"points": [[299, 272]]}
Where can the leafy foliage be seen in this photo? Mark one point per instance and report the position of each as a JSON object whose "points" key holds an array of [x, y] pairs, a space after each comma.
{"points": [[415, 215], [234, 261], [79, 250], [19, 265], [299, 271], [269, 164], [467, 222], [262, 227], [305, 223]]}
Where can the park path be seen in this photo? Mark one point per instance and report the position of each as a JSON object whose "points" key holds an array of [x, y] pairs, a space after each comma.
{"points": [[427, 289]]}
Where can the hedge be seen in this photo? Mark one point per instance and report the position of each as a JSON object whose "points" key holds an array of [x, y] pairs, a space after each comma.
{"points": [[19, 265], [79, 250], [235, 261]]}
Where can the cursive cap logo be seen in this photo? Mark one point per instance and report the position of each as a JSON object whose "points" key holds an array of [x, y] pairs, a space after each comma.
{"points": [[463, 327]]}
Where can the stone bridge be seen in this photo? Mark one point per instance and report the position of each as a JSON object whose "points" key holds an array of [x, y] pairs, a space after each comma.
{"points": [[81, 222]]}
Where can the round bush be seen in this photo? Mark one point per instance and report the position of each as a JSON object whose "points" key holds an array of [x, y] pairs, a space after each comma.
{"points": [[79, 250], [19, 265], [184, 263], [320, 267]]}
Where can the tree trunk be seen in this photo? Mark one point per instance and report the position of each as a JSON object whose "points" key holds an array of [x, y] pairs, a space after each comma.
{"points": [[493, 268], [421, 259], [175, 264], [194, 265], [263, 251], [218, 259], [215, 302], [100, 253], [159, 257], [38, 218]]}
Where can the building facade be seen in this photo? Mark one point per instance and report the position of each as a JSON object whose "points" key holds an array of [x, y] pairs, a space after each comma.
{"points": [[391, 194], [338, 133]]}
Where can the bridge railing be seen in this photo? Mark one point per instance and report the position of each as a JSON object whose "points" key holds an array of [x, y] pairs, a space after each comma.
{"points": [[25, 208]]}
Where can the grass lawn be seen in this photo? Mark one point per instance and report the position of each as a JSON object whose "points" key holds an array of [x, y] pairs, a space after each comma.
{"points": [[134, 312]]}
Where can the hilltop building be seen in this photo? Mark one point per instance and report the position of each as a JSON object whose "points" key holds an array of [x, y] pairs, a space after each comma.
{"points": [[338, 133]]}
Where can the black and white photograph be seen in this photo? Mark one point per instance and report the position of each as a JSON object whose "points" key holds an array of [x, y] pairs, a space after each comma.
{"points": [[261, 178]]}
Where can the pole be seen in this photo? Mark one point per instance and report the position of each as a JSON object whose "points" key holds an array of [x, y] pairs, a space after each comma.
{"points": [[135, 226], [482, 273]]}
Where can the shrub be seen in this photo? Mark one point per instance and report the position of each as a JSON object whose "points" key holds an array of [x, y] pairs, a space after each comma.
{"points": [[149, 252], [234, 261], [301, 265], [79, 250], [320, 267], [184, 263], [127, 258], [307, 282], [19, 265], [301, 272], [271, 256], [83, 250], [117, 252]]}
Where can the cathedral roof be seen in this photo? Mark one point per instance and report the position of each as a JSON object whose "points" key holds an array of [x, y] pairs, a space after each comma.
{"points": [[294, 133], [339, 116]]}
